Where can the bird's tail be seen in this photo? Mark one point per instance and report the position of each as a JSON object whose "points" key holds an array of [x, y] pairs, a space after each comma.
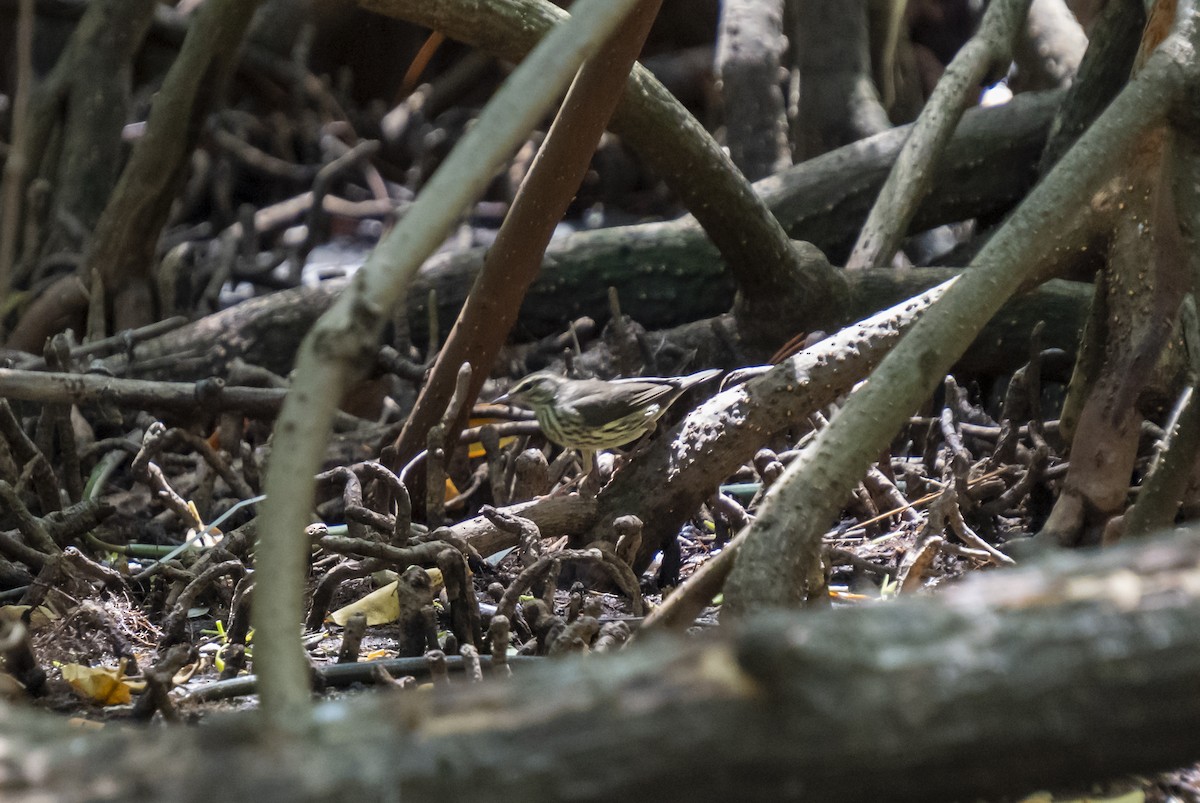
{"points": [[698, 377]]}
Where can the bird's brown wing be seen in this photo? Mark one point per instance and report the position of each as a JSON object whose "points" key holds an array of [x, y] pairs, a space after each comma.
{"points": [[615, 399]]}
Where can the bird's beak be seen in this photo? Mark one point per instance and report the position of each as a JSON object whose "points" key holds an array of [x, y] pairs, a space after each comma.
{"points": [[501, 399]]}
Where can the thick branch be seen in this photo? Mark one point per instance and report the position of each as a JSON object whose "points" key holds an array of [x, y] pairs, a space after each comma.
{"points": [[724, 432], [209, 396], [1049, 677]]}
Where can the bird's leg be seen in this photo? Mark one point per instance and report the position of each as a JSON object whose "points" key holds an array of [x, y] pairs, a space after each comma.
{"points": [[589, 482], [585, 471], [589, 479]]}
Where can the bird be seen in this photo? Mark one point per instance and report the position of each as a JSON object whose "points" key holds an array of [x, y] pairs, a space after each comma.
{"points": [[594, 414]]}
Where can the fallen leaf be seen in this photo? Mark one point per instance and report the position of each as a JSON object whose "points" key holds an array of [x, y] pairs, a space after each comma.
{"points": [[104, 685]]}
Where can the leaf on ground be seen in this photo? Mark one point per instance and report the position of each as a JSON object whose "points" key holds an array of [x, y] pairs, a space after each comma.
{"points": [[381, 605], [104, 685]]}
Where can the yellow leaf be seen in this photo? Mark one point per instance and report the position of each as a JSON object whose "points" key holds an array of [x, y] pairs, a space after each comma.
{"points": [[476, 449], [98, 684], [451, 489], [381, 605], [435, 577]]}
